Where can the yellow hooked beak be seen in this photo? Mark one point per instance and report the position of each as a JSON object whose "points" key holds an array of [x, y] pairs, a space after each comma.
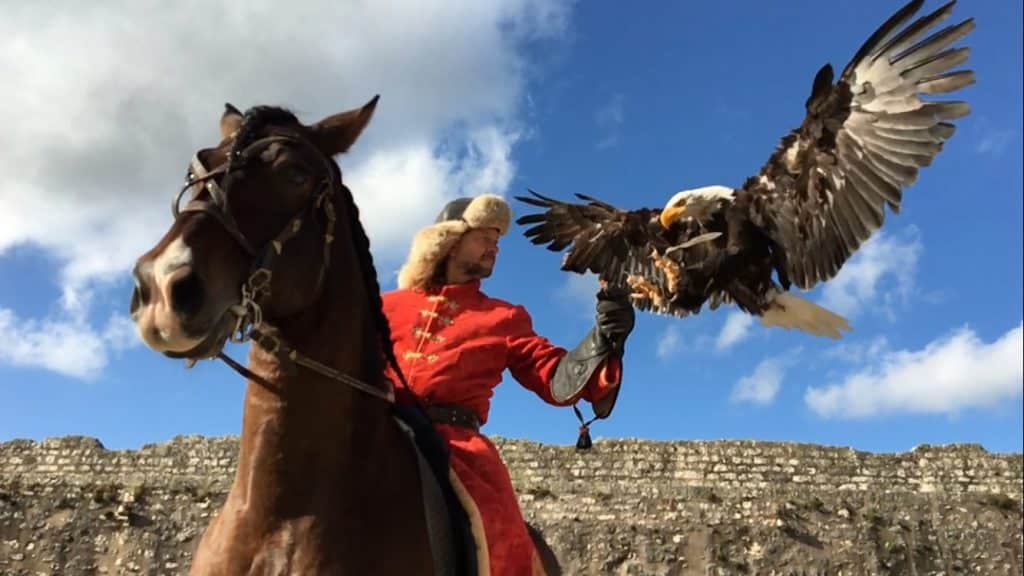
{"points": [[670, 215]]}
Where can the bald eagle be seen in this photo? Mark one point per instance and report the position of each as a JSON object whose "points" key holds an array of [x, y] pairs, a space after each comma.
{"points": [[819, 197]]}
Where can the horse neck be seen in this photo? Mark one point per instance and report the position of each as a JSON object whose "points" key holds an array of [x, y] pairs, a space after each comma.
{"points": [[303, 438]]}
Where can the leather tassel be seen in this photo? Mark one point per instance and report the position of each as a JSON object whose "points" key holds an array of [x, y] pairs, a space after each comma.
{"points": [[583, 442]]}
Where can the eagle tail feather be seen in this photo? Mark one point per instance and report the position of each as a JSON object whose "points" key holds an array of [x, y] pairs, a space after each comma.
{"points": [[787, 310]]}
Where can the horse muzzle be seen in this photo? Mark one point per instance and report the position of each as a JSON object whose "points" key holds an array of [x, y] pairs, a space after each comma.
{"points": [[173, 311]]}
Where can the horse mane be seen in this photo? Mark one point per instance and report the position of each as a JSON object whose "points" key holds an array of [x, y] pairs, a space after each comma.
{"points": [[370, 279], [254, 121]]}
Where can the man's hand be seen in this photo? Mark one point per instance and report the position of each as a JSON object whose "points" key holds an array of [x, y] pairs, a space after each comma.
{"points": [[615, 315]]}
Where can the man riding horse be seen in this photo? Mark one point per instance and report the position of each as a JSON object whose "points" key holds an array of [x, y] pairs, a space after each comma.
{"points": [[453, 343]]}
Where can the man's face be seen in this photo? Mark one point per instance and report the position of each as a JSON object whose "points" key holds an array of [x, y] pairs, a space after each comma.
{"points": [[474, 256]]}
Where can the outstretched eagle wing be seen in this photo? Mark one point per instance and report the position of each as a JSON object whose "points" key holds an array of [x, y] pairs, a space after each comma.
{"points": [[613, 243], [862, 142], [601, 239]]}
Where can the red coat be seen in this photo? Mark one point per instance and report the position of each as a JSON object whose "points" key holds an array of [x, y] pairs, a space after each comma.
{"points": [[453, 345]]}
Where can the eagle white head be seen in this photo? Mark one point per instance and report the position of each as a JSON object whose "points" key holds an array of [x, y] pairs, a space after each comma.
{"points": [[698, 203]]}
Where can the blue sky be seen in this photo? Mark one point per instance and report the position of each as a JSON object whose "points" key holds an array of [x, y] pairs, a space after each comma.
{"points": [[562, 98]]}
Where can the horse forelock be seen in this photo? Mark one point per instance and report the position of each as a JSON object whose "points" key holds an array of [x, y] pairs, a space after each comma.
{"points": [[257, 118]]}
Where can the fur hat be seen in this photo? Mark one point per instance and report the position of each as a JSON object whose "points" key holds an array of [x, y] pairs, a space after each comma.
{"points": [[433, 243]]}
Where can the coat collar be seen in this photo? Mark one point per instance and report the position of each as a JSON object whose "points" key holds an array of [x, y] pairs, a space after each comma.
{"points": [[456, 290]]}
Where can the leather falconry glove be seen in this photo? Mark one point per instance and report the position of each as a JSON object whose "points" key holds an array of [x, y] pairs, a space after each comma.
{"points": [[614, 322], [615, 316]]}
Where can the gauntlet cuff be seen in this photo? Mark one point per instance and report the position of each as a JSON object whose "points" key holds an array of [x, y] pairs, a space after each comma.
{"points": [[577, 367]]}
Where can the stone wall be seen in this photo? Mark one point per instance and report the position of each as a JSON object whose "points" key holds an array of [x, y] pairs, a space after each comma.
{"points": [[68, 506]]}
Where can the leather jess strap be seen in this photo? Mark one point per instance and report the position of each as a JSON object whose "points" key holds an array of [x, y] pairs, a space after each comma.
{"points": [[454, 415]]}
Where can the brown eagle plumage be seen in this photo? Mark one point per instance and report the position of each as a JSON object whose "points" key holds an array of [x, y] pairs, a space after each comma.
{"points": [[819, 197]]}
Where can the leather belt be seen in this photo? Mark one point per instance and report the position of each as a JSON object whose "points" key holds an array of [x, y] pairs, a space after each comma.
{"points": [[454, 415]]}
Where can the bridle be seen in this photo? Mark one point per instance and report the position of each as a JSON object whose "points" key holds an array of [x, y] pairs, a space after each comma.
{"points": [[256, 288]]}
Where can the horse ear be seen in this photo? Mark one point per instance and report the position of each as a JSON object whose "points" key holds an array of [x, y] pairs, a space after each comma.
{"points": [[230, 121], [336, 134]]}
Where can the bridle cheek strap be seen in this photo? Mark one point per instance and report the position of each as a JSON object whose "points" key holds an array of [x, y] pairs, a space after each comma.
{"points": [[256, 288]]}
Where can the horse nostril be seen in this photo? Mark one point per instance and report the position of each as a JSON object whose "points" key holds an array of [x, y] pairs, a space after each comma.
{"points": [[140, 293], [187, 294]]}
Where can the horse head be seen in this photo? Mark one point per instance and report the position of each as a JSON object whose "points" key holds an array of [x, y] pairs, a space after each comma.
{"points": [[251, 239]]}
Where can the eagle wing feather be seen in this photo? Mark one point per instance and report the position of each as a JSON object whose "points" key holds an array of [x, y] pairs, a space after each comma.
{"points": [[622, 247], [863, 141]]}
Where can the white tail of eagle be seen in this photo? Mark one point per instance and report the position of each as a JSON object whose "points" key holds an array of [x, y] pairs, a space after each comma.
{"points": [[821, 194]]}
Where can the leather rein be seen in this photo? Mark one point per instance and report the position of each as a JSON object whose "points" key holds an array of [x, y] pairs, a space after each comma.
{"points": [[256, 289]]}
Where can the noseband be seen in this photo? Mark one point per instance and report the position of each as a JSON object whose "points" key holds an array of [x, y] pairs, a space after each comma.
{"points": [[256, 289]]}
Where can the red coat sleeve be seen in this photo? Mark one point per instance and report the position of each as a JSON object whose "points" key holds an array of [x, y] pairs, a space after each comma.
{"points": [[532, 360]]}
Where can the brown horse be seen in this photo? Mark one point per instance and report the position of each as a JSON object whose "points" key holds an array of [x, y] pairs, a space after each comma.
{"points": [[269, 247], [326, 483]]}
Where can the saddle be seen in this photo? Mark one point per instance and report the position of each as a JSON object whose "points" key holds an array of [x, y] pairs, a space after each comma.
{"points": [[451, 536]]}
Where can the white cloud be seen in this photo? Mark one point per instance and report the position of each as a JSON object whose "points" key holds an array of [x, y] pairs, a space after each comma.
{"points": [[857, 352], [735, 329], [97, 137], [878, 276], [67, 346], [952, 373], [104, 133], [763, 384], [609, 118], [991, 139], [994, 142], [668, 342], [411, 185], [120, 333]]}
